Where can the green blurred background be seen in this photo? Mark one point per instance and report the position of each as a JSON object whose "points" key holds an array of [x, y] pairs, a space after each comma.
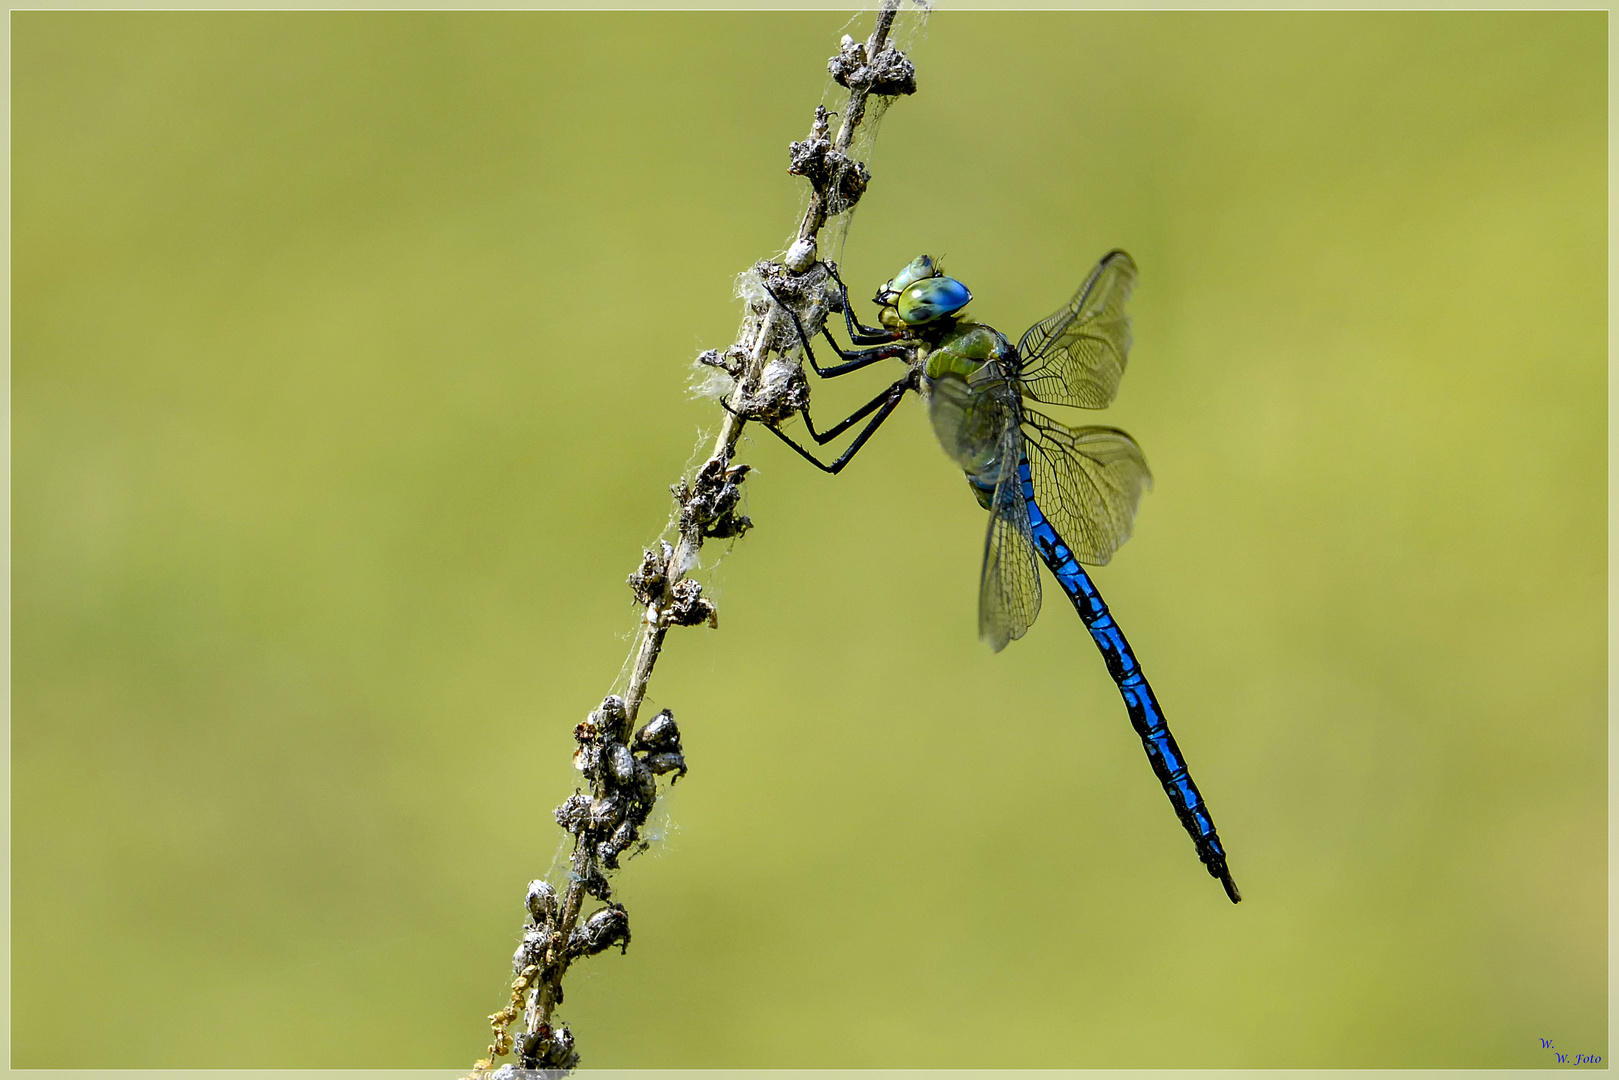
{"points": [[350, 356]]}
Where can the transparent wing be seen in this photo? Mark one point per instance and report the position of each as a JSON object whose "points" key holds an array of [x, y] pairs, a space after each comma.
{"points": [[1076, 356], [1009, 587], [1088, 481], [971, 420]]}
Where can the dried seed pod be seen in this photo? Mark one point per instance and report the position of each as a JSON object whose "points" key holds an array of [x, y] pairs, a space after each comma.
{"points": [[646, 790], [594, 882], [688, 607], [850, 60], [532, 949], [542, 901], [612, 709], [666, 762], [606, 812], [574, 813], [647, 582], [610, 849], [801, 256], [660, 733], [527, 1046], [605, 928], [889, 73], [808, 158], [621, 763], [587, 759], [560, 1053], [548, 1049], [892, 73]]}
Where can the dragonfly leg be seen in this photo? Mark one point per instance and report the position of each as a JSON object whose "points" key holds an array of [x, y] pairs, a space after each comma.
{"points": [[893, 393], [853, 359], [859, 333], [884, 404]]}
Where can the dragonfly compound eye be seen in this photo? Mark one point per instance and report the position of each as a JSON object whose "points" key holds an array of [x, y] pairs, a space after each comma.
{"points": [[932, 298], [919, 269]]}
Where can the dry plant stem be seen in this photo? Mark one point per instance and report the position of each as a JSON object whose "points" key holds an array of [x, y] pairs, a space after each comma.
{"points": [[540, 978], [815, 214], [650, 644], [652, 634], [648, 647]]}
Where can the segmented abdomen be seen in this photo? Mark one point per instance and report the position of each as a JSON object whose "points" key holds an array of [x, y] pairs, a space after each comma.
{"points": [[1145, 714]]}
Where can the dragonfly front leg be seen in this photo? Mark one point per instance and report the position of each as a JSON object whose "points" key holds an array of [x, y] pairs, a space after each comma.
{"points": [[853, 359], [884, 404], [859, 333]]}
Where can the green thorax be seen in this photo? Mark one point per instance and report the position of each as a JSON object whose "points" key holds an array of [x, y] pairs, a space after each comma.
{"points": [[962, 347], [969, 382]]}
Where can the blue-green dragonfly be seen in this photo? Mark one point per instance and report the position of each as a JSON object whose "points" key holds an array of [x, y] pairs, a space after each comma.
{"points": [[1058, 494]]}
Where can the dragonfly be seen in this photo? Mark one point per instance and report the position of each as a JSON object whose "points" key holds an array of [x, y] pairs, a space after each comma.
{"points": [[1056, 494]]}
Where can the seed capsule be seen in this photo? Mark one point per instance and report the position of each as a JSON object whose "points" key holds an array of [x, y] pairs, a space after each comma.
{"points": [[542, 901], [623, 763], [660, 733], [800, 256], [560, 1054], [574, 812], [608, 927], [662, 763], [532, 950], [587, 759], [606, 812], [594, 882]]}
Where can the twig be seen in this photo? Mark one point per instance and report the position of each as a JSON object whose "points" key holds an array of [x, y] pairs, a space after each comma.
{"points": [[619, 762]]}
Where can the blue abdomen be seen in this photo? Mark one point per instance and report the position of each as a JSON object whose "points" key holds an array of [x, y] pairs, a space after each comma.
{"points": [[1145, 714]]}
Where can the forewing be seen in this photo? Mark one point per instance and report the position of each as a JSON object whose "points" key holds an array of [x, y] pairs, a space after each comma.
{"points": [[1009, 587], [1076, 356], [1088, 481]]}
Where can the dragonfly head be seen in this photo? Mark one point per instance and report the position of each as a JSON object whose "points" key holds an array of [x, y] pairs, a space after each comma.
{"points": [[920, 294]]}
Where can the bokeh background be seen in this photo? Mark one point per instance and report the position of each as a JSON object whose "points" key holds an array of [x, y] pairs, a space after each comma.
{"points": [[350, 362]]}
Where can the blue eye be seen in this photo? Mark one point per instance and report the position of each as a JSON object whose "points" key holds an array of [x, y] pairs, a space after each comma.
{"points": [[932, 298]]}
